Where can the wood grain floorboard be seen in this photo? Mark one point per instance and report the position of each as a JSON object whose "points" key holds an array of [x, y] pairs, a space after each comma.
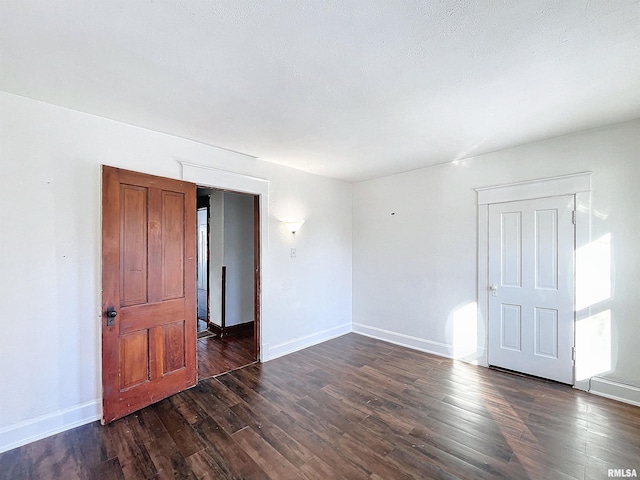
{"points": [[350, 408], [219, 355]]}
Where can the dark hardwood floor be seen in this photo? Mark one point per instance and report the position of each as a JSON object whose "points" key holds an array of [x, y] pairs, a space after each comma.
{"points": [[218, 355], [351, 408]]}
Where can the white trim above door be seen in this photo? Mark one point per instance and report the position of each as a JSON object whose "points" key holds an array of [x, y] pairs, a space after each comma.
{"points": [[539, 188], [576, 184]]}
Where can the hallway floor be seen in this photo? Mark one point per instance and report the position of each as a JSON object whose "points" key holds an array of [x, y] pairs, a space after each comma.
{"points": [[218, 355]]}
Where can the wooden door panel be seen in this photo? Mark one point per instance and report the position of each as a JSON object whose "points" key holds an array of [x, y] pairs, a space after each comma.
{"points": [[173, 348], [173, 245], [150, 315], [149, 242], [133, 358], [133, 238]]}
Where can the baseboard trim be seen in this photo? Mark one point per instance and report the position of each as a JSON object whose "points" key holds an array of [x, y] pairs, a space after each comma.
{"points": [[44, 426], [415, 343], [292, 346], [616, 391], [231, 330]]}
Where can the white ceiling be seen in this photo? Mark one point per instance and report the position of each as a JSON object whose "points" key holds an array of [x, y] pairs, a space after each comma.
{"points": [[342, 88]]}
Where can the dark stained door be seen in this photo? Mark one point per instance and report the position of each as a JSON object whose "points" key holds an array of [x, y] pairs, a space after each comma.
{"points": [[149, 290]]}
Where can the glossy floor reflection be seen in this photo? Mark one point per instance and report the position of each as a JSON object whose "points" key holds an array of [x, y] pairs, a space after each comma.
{"points": [[351, 408], [218, 355]]}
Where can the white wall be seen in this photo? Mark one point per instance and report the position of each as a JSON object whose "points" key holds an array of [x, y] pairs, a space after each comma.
{"points": [[50, 161], [415, 271], [202, 263], [238, 258], [216, 252]]}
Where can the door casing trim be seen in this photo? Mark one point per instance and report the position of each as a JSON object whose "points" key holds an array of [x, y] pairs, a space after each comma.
{"points": [[578, 184], [210, 177]]}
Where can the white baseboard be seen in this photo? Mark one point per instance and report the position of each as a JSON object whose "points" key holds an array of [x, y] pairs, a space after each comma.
{"points": [[615, 390], [304, 342], [44, 426], [415, 343]]}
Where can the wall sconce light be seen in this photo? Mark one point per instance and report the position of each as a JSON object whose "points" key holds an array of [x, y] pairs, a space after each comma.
{"points": [[293, 227]]}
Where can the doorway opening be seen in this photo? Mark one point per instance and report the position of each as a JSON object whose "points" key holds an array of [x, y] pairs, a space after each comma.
{"points": [[228, 275]]}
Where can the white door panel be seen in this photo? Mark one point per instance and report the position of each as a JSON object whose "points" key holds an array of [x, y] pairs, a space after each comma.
{"points": [[510, 327], [531, 321]]}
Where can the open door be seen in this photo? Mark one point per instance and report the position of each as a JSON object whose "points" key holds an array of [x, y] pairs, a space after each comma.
{"points": [[149, 290]]}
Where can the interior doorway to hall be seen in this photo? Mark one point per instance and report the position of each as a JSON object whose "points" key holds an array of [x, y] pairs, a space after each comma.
{"points": [[227, 280]]}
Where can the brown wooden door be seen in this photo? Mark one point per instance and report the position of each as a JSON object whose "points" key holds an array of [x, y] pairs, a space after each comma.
{"points": [[149, 282]]}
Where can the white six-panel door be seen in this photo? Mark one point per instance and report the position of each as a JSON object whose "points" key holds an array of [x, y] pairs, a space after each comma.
{"points": [[531, 319]]}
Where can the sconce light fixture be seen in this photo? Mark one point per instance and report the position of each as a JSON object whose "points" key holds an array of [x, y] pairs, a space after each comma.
{"points": [[293, 227]]}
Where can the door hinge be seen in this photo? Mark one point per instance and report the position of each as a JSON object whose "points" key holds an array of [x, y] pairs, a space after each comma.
{"points": [[573, 217], [573, 353]]}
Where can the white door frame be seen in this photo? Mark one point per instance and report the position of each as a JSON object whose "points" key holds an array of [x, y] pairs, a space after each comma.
{"points": [[578, 184], [221, 179]]}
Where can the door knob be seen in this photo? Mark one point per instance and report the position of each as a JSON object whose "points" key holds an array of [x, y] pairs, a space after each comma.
{"points": [[494, 290], [111, 315]]}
